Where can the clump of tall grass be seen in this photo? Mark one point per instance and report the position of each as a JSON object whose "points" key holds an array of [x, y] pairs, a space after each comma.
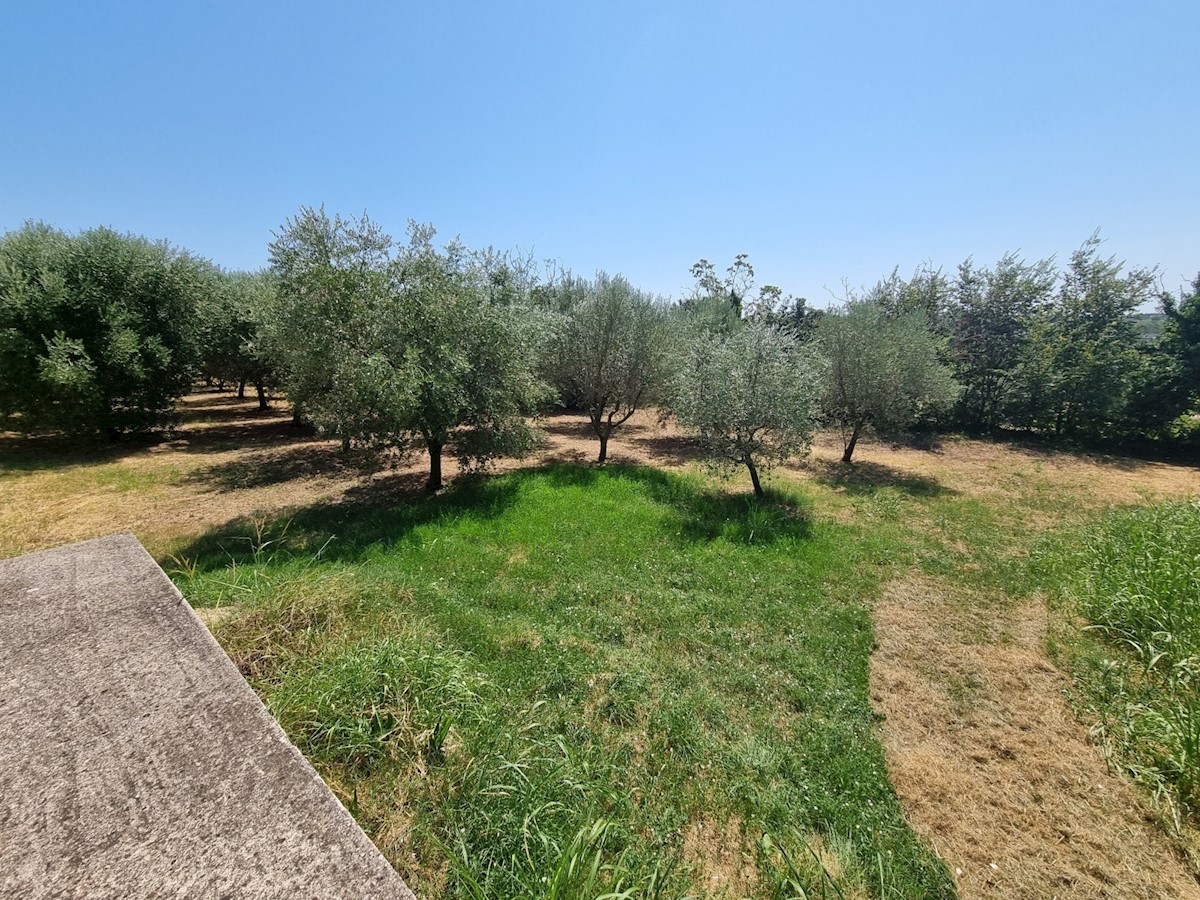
{"points": [[1135, 576], [813, 868], [396, 696], [533, 815], [282, 616]]}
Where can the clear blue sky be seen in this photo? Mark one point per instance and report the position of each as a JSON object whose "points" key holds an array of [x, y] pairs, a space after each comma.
{"points": [[828, 141]]}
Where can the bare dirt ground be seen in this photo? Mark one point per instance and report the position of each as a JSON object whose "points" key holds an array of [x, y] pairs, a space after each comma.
{"points": [[994, 770]]}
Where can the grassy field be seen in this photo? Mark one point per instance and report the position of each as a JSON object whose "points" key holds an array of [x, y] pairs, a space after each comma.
{"points": [[564, 681], [527, 658], [1134, 577]]}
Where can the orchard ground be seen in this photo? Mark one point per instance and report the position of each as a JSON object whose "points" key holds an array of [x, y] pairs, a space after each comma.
{"points": [[697, 661]]}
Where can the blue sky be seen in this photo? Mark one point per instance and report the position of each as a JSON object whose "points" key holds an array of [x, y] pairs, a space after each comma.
{"points": [[829, 141]]}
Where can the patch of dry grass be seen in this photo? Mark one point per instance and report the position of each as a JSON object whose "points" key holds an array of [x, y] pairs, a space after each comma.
{"points": [[992, 766], [722, 858]]}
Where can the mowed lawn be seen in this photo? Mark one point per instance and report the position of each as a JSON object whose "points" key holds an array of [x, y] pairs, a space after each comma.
{"points": [[564, 681]]}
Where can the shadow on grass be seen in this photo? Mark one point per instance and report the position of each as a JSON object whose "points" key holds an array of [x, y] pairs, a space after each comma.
{"points": [[25, 453], [674, 450], [867, 477], [381, 512], [385, 511], [700, 513]]}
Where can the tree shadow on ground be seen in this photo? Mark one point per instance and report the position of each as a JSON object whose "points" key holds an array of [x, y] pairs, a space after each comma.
{"points": [[313, 459], [210, 423], [382, 511], [639, 438], [674, 450], [25, 453], [571, 426], [700, 513], [863, 477], [222, 423], [1131, 456], [225, 408], [385, 510]]}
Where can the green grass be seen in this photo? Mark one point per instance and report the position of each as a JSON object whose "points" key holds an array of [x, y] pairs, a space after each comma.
{"points": [[1135, 578], [532, 685]]}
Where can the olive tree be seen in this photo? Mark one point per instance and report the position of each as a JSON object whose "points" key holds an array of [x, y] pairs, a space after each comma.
{"points": [[97, 330], [231, 341], [752, 395], [399, 346], [613, 353], [883, 370], [330, 275]]}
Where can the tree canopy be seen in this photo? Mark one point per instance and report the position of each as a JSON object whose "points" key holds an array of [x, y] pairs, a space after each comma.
{"points": [[97, 330], [990, 332], [613, 353], [232, 341], [883, 369], [751, 395], [409, 349], [1076, 374]]}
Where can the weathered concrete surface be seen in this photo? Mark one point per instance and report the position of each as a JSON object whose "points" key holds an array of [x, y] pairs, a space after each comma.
{"points": [[134, 759]]}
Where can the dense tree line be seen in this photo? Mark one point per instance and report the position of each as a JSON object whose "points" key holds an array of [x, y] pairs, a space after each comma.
{"points": [[1061, 354], [415, 346]]}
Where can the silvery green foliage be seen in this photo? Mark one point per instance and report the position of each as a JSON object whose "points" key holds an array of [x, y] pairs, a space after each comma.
{"points": [[614, 353], [331, 278], [883, 369], [401, 346], [752, 395]]}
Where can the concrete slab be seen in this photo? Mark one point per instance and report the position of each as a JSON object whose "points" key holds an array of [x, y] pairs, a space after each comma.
{"points": [[134, 759]]}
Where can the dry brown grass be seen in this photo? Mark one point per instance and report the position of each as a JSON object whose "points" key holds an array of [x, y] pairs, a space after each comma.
{"points": [[226, 460], [991, 765], [721, 858], [1039, 485]]}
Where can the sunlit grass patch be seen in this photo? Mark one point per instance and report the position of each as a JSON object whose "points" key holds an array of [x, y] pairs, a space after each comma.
{"points": [[546, 676], [1135, 578], [355, 705]]}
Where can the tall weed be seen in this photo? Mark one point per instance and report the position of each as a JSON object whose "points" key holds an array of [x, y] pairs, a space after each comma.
{"points": [[392, 696], [1135, 577]]}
